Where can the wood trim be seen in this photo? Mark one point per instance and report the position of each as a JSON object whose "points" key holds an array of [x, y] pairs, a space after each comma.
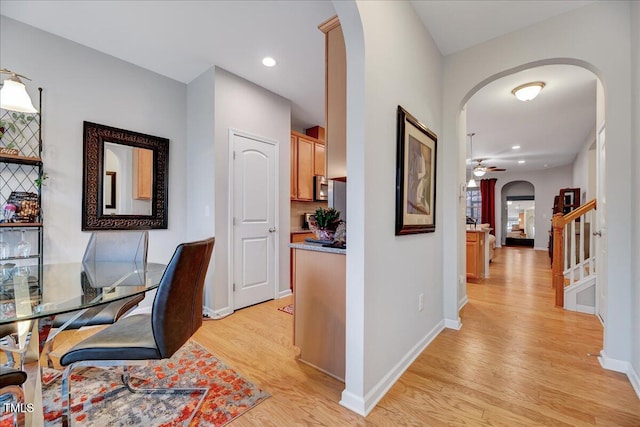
{"points": [[329, 24], [557, 268], [578, 212]]}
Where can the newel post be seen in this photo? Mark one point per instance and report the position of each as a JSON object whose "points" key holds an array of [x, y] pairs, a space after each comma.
{"points": [[558, 258]]}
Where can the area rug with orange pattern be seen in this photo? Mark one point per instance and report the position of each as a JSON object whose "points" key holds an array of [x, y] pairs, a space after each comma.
{"points": [[100, 399], [287, 308]]}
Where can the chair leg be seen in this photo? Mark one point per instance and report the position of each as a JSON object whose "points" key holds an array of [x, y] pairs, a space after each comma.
{"points": [[11, 394], [164, 390], [125, 364]]}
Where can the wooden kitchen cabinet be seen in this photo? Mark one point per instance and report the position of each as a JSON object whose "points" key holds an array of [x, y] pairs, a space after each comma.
{"points": [[143, 161], [307, 159], [318, 159], [475, 255], [335, 99], [296, 237], [294, 167]]}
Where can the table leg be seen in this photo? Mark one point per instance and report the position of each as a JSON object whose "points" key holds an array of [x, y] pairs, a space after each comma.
{"points": [[33, 385]]}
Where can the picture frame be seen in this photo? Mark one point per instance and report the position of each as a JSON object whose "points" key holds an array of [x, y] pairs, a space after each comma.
{"points": [[415, 176]]}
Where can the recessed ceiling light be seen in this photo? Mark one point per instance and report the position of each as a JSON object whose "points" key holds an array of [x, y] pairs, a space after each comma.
{"points": [[268, 61], [528, 91], [521, 161], [515, 147]]}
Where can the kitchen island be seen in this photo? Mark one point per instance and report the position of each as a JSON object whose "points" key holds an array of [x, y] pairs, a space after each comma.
{"points": [[320, 306]]}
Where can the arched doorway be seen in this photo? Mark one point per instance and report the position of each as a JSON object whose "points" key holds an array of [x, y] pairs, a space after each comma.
{"points": [[517, 219]]}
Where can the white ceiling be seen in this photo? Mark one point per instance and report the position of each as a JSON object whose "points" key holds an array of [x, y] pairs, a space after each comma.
{"points": [[457, 25], [182, 39]]}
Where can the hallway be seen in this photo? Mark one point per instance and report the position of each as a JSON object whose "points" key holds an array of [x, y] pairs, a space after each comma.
{"points": [[517, 361]]}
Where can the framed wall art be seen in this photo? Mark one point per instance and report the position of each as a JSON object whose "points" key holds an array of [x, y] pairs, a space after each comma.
{"points": [[415, 176]]}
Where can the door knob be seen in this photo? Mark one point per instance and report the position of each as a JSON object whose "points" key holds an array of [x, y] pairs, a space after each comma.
{"points": [[272, 229], [597, 233]]}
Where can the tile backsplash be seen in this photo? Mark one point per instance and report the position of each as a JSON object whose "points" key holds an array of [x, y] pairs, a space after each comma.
{"points": [[300, 208]]}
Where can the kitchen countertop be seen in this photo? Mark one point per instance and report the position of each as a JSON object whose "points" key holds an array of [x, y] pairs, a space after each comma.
{"points": [[318, 248]]}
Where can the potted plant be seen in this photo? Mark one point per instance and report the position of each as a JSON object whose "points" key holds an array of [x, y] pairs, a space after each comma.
{"points": [[326, 222]]}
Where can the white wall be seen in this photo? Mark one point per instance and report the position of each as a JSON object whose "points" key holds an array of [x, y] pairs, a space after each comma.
{"points": [[597, 37], [386, 273], [546, 184], [82, 84], [635, 55], [244, 106]]}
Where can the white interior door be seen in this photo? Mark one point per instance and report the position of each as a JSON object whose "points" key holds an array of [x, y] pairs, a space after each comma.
{"points": [[254, 216], [601, 227]]}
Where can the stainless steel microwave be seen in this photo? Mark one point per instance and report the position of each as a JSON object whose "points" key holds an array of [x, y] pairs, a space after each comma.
{"points": [[320, 188]]}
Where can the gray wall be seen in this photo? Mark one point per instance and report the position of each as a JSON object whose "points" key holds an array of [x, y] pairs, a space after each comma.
{"points": [[386, 273], [635, 52], [82, 84], [201, 172], [570, 39], [244, 106]]}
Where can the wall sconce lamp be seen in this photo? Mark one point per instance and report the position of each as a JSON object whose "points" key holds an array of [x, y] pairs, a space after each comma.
{"points": [[13, 95], [528, 91]]}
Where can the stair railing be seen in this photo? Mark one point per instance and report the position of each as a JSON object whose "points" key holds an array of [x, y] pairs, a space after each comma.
{"points": [[577, 263]]}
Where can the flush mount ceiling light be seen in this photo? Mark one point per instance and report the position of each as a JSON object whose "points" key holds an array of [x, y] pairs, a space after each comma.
{"points": [[521, 161], [528, 91], [515, 147], [13, 95], [268, 61]]}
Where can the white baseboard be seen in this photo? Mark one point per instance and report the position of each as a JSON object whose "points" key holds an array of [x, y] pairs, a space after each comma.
{"points": [[585, 309], [353, 403], [623, 367], [371, 399], [284, 294], [463, 302], [453, 324], [540, 249], [220, 313], [613, 364], [635, 380]]}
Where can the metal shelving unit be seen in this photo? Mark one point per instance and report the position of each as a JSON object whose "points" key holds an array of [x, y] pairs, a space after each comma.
{"points": [[21, 174]]}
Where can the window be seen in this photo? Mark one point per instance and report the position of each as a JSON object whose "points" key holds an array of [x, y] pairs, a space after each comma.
{"points": [[474, 204]]}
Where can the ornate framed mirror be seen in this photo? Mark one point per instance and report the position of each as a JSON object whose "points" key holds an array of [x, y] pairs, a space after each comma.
{"points": [[138, 199]]}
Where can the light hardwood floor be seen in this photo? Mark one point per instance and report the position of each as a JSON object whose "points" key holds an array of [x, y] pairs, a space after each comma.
{"points": [[517, 361]]}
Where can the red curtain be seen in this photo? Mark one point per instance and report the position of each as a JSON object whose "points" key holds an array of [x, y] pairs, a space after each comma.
{"points": [[488, 194]]}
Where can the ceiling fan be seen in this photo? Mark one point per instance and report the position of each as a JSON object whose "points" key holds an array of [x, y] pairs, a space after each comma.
{"points": [[480, 169]]}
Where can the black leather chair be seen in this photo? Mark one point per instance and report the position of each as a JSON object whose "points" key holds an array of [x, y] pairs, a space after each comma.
{"points": [[112, 246], [176, 315], [11, 391]]}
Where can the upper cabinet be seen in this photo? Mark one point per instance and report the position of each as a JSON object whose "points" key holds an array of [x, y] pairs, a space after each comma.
{"points": [[307, 160], [336, 99]]}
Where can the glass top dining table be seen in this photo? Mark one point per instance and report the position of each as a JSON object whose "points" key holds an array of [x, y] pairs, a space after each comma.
{"points": [[36, 291], [30, 295]]}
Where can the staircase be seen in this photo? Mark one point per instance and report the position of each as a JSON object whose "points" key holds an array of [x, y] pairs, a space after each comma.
{"points": [[574, 263]]}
